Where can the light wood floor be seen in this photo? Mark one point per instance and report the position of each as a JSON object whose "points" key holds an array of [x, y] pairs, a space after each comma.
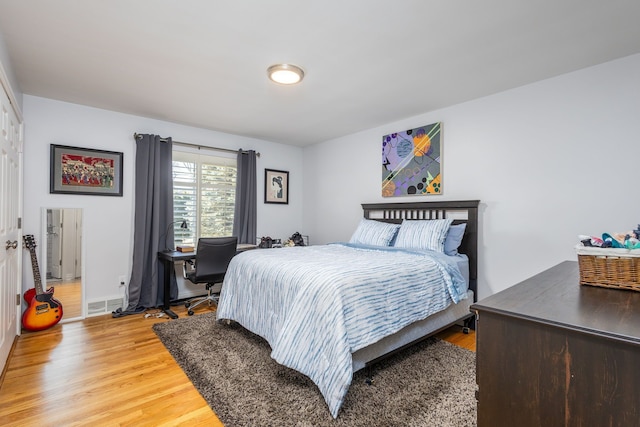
{"points": [[103, 371]]}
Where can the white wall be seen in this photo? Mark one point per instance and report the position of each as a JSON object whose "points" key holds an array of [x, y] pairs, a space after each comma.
{"points": [[548, 161], [108, 221]]}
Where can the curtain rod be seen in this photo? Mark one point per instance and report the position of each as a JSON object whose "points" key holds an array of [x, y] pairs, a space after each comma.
{"points": [[186, 144]]}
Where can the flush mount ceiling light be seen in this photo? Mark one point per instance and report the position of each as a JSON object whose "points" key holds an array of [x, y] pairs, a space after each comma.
{"points": [[285, 74]]}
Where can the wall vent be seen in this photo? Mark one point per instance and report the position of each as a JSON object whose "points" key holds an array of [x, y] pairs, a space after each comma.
{"points": [[97, 308], [113, 304]]}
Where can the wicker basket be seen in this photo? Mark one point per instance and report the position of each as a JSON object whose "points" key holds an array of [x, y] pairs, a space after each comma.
{"points": [[609, 268]]}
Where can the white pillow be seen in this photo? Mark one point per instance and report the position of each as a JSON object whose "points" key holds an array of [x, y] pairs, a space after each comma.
{"points": [[425, 234], [370, 232]]}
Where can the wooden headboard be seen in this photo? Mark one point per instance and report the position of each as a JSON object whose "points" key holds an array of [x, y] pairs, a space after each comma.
{"points": [[461, 211]]}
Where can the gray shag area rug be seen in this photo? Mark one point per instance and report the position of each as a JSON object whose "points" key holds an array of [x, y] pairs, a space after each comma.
{"points": [[429, 384]]}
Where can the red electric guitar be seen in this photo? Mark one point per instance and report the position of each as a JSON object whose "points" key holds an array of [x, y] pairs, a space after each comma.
{"points": [[44, 310]]}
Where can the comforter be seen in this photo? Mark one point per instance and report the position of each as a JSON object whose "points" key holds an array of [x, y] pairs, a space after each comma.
{"points": [[316, 305]]}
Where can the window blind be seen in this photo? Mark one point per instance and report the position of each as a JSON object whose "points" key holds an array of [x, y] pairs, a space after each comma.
{"points": [[204, 190]]}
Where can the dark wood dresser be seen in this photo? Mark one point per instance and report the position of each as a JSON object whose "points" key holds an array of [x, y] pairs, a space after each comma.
{"points": [[551, 352]]}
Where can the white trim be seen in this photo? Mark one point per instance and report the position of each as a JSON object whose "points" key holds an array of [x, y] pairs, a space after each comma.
{"points": [[4, 80]]}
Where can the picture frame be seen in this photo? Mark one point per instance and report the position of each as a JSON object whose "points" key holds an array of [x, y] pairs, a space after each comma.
{"points": [[276, 186], [87, 171], [412, 162]]}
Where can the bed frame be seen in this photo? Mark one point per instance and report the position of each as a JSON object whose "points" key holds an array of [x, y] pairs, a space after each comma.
{"points": [[465, 211]]}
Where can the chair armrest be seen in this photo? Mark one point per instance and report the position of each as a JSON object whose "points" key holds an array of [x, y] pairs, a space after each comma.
{"points": [[187, 266]]}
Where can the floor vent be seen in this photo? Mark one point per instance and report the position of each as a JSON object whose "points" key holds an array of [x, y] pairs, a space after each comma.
{"points": [[97, 308]]}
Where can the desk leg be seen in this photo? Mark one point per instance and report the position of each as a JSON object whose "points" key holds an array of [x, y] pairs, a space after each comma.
{"points": [[166, 307]]}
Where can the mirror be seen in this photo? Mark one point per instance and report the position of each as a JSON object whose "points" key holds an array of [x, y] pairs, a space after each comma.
{"points": [[62, 258]]}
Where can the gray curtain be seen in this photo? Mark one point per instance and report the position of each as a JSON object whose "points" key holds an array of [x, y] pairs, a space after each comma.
{"points": [[153, 217], [245, 213]]}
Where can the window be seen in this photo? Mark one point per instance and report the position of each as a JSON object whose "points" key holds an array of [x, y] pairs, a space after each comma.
{"points": [[204, 193]]}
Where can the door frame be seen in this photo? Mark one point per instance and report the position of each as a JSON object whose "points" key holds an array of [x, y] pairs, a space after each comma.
{"points": [[6, 88]]}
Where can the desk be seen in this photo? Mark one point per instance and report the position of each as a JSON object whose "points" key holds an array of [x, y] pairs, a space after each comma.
{"points": [[168, 258]]}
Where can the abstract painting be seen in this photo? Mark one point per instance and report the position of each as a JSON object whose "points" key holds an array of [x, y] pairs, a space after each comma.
{"points": [[411, 162]]}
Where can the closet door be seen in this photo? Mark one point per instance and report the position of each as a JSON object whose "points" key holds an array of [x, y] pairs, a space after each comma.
{"points": [[10, 233]]}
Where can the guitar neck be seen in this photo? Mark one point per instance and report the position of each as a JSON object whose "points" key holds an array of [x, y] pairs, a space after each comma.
{"points": [[36, 272]]}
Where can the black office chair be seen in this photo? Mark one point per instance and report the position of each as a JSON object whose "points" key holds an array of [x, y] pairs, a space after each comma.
{"points": [[212, 259]]}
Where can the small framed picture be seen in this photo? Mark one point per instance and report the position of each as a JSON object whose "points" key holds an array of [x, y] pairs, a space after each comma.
{"points": [[276, 186], [76, 170]]}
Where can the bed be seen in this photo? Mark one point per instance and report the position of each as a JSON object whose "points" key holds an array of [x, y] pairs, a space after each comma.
{"points": [[328, 311]]}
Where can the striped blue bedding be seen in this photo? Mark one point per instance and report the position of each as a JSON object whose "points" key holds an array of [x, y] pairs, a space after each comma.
{"points": [[316, 305]]}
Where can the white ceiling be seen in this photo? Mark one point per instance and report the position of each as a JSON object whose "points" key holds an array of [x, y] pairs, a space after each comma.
{"points": [[367, 62]]}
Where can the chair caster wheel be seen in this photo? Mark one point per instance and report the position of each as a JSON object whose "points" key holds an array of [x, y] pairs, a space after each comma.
{"points": [[186, 305], [190, 312], [466, 330]]}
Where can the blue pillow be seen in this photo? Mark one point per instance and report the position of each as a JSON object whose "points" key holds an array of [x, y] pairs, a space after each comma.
{"points": [[425, 234], [371, 232], [454, 239]]}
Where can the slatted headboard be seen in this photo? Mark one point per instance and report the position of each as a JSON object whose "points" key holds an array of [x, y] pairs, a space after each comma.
{"points": [[461, 211]]}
